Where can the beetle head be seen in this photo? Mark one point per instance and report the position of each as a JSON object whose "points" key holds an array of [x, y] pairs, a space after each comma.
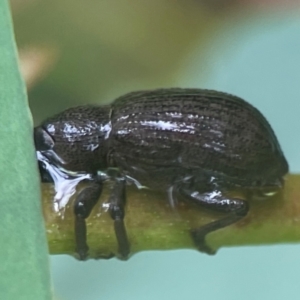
{"points": [[76, 139], [44, 143], [42, 139]]}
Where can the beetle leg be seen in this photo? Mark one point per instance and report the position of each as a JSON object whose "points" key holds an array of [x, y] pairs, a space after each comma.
{"points": [[236, 208], [83, 206], [117, 211]]}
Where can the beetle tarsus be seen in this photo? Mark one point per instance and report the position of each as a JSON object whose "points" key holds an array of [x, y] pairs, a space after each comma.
{"points": [[199, 240], [124, 247], [117, 211], [83, 206], [215, 200], [80, 238]]}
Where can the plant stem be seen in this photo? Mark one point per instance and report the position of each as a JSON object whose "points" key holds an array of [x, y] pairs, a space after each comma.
{"points": [[152, 224]]}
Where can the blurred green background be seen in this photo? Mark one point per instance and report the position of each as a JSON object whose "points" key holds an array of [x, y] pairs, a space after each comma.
{"points": [[93, 51]]}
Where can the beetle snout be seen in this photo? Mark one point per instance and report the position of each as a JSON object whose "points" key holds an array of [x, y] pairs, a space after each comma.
{"points": [[44, 145], [42, 139]]}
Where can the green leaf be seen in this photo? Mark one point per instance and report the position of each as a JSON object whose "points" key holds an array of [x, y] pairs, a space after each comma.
{"points": [[24, 266]]}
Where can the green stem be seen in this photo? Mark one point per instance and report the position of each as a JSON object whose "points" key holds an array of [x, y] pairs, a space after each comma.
{"points": [[153, 224]]}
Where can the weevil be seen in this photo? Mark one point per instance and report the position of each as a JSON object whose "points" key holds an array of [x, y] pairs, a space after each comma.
{"points": [[196, 143]]}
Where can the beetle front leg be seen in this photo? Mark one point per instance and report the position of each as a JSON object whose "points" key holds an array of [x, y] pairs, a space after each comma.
{"points": [[117, 202], [237, 209], [83, 206]]}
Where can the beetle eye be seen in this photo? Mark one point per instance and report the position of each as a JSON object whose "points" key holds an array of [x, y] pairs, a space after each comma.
{"points": [[42, 140]]}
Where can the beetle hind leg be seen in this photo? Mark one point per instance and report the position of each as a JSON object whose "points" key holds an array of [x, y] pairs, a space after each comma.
{"points": [[215, 200]]}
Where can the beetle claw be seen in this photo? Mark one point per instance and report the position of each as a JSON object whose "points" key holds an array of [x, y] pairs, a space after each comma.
{"points": [[200, 243], [81, 254]]}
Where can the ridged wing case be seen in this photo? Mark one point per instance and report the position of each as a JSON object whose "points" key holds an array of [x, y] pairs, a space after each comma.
{"points": [[168, 134]]}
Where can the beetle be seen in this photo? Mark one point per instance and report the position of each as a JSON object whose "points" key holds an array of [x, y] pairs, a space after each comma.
{"points": [[196, 143]]}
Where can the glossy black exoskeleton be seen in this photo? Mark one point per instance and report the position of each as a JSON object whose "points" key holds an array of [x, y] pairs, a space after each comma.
{"points": [[197, 143]]}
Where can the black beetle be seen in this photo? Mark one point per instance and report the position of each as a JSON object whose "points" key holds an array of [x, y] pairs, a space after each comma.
{"points": [[197, 143]]}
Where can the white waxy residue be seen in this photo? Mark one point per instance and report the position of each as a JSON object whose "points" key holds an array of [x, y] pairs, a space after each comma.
{"points": [[64, 182], [130, 179]]}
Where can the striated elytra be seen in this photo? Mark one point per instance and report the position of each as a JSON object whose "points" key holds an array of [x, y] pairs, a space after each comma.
{"points": [[199, 144]]}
